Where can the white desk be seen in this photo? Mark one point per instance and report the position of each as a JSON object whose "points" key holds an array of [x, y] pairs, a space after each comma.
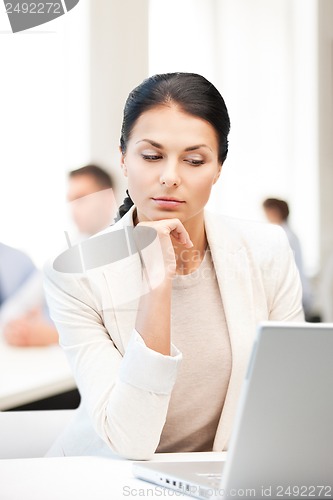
{"points": [[28, 374], [83, 478]]}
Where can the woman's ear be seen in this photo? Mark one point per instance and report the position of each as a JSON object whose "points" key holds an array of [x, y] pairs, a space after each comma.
{"points": [[123, 163]]}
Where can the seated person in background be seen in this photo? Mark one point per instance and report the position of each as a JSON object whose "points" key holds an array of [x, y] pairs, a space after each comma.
{"points": [[92, 202], [23, 312], [277, 212], [23, 315]]}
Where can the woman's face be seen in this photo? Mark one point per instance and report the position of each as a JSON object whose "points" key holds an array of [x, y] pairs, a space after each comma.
{"points": [[171, 162]]}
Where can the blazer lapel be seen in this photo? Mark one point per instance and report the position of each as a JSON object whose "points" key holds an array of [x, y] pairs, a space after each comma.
{"points": [[233, 273]]}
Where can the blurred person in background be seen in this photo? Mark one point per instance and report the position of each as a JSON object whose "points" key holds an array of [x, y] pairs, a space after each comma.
{"points": [[24, 318], [277, 212], [92, 203]]}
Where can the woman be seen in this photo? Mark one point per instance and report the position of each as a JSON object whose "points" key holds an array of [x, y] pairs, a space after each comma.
{"points": [[160, 367]]}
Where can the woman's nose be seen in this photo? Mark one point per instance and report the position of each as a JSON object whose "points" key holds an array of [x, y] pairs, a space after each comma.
{"points": [[170, 175]]}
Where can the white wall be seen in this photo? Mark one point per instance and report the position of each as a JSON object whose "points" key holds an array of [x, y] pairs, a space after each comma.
{"points": [[43, 102], [267, 72], [262, 56], [63, 89], [325, 125], [118, 62], [182, 37]]}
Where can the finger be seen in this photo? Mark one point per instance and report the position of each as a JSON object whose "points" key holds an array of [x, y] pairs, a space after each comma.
{"points": [[182, 235], [170, 227]]}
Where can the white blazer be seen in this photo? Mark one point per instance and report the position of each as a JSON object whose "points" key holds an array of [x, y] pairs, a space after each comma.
{"points": [[125, 386]]}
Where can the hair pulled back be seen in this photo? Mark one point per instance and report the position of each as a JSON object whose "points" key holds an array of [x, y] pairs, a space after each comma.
{"points": [[191, 92]]}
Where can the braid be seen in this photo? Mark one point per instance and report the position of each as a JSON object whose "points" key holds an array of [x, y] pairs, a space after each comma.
{"points": [[124, 208]]}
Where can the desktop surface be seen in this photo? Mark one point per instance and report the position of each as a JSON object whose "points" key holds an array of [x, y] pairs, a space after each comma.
{"points": [[84, 478], [29, 374]]}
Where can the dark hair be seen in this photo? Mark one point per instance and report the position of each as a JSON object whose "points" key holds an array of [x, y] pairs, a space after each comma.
{"points": [[102, 178], [280, 205], [191, 92]]}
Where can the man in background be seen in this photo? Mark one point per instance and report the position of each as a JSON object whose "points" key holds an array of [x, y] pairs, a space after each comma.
{"points": [[92, 202], [24, 317], [277, 212]]}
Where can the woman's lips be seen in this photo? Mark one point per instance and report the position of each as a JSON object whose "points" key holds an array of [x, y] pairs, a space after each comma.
{"points": [[168, 202]]}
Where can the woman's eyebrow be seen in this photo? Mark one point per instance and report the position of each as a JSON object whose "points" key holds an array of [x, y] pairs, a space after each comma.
{"points": [[153, 143], [190, 148]]}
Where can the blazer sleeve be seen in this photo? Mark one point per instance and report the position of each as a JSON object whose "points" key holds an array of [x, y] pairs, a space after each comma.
{"points": [[125, 394]]}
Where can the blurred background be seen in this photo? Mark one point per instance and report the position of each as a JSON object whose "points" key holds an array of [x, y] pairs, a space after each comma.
{"points": [[63, 87]]}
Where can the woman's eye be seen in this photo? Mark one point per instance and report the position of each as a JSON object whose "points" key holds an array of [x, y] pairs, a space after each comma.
{"points": [[151, 157], [193, 161]]}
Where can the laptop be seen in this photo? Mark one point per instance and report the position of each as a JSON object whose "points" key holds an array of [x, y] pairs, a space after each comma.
{"points": [[282, 440]]}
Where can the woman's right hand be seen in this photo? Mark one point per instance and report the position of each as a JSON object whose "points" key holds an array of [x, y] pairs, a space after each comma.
{"points": [[160, 260], [153, 320]]}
